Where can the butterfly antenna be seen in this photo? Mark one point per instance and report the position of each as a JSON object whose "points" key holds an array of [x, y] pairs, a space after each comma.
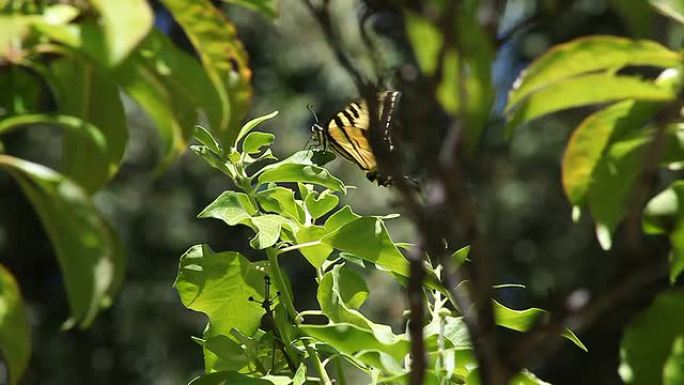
{"points": [[310, 108]]}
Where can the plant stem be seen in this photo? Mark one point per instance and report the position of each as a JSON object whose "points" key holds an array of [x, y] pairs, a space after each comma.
{"points": [[286, 295], [313, 354]]}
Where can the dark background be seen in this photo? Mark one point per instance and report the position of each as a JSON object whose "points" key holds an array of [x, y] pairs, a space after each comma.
{"points": [[144, 338]]}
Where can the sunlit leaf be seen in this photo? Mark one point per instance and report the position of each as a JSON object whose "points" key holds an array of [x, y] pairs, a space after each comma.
{"points": [[351, 339], [252, 124], [673, 372], [321, 204], [368, 239], [648, 339], [206, 138], [86, 247], [583, 90], [125, 24], [280, 200], [220, 285], [586, 55], [223, 56], [15, 343], [522, 320], [299, 168], [590, 139], [664, 214], [315, 254], [266, 7], [254, 141], [673, 9]]}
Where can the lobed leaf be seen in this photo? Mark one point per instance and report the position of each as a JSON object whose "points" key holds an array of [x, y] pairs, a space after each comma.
{"points": [[220, 285]]}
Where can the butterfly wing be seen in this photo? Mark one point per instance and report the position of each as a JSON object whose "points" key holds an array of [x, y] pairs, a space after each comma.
{"points": [[348, 130]]}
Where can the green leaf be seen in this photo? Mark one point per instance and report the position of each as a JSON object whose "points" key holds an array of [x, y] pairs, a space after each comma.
{"points": [[340, 218], [125, 24], [187, 83], [173, 118], [426, 40], [351, 339], [90, 176], [267, 228], [460, 256], [229, 354], [231, 207], [454, 330], [252, 124], [300, 375], [228, 378], [87, 249], [206, 138], [636, 15], [223, 56], [586, 55], [315, 254], [523, 320], [219, 285], [584, 90], [299, 168], [368, 239], [82, 90], [280, 200], [614, 176], [590, 139], [673, 372], [320, 204], [254, 141], [673, 9], [664, 214], [15, 343], [648, 339], [267, 8]]}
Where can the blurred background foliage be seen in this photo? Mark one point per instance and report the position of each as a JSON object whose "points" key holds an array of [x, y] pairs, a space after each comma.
{"points": [[144, 338]]}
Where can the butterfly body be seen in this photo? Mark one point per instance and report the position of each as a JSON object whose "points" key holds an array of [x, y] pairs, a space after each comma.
{"points": [[348, 133]]}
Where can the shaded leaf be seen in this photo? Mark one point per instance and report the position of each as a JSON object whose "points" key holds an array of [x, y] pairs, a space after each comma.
{"points": [[15, 343], [95, 172], [648, 339], [82, 90], [86, 247], [673, 372]]}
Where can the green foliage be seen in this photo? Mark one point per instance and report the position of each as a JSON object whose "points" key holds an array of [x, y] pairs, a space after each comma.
{"points": [[14, 331], [65, 65], [274, 343], [664, 214], [649, 348]]}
